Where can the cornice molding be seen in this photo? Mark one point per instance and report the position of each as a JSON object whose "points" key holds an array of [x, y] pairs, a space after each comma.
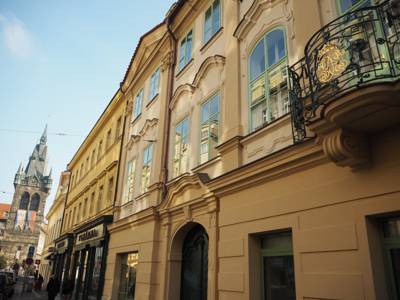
{"points": [[184, 88], [206, 65]]}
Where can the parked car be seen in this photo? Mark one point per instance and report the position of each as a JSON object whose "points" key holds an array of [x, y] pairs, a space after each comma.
{"points": [[6, 286]]}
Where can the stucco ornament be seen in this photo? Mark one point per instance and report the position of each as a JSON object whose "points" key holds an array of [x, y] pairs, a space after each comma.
{"points": [[332, 62]]}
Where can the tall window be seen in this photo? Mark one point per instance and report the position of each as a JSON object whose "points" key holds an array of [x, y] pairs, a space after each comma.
{"points": [[118, 128], [181, 147], [79, 216], [85, 208], [154, 84], [185, 50], [212, 21], [130, 180], [110, 192], [108, 139], [347, 5], [100, 152], [127, 282], [92, 203], [35, 201], [87, 164], [146, 169], [268, 79], [93, 158], [100, 199], [278, 266], [138, 104], [24, 202], [391, 243], [209, 128]]}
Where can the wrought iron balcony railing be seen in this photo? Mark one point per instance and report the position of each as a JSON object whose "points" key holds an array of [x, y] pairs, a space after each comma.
{"points": [[357, 49]]}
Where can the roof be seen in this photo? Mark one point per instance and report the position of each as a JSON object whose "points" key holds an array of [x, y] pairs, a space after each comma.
{"points": [[4, 207]]}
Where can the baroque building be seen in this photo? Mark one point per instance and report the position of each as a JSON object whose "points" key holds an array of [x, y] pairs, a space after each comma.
{"points": [[258, 160], [26, 215]]}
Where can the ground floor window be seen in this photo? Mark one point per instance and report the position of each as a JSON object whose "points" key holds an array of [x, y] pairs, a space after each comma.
{"points": [[94, 283], [391, 245], [127, 281], [277, 266]]}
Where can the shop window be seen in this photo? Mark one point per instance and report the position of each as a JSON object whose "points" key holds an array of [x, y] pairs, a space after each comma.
{"points": [[209, 128], [154, 84], [94, 284], [194, 273], [278, 267], [130, 181], [268, 78], [181, 147], [391, 246], [146, 169], [127, 282], [347, 5], [212, 20], [185, 50], [138, 104]]}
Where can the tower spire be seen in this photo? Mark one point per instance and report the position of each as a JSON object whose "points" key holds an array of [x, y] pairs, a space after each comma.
{"points": [[43, 139]]}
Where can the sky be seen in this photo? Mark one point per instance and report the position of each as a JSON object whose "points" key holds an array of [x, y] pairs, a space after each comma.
{"points": [[61, 61]]}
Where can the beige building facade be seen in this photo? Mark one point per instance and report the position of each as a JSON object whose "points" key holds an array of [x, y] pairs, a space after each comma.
{"points": [[260, 154]]}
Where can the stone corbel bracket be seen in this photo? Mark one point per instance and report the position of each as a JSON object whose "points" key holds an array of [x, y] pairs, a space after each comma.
{"points": [[347, 148]]}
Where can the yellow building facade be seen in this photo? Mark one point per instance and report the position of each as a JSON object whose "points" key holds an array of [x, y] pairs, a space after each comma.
{"points": [[83, 244], [54, 218], [259, 158]]}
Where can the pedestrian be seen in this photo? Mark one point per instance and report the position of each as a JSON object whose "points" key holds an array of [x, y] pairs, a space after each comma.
{"points": [[53, 287], [67, 288], [38, 283]]}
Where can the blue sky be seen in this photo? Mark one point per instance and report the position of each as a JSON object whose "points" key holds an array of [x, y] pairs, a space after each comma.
{"points": [[60, 64]]}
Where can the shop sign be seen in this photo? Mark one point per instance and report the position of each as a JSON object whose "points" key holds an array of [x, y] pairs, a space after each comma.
{"points": [[90, 235], [62, 246]]}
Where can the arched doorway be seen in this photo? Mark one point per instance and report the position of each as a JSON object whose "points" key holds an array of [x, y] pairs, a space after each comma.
{"points": [[194, 273]]}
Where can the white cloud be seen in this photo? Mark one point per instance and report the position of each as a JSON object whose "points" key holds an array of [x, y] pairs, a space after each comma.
{"points": [[17, 38]]}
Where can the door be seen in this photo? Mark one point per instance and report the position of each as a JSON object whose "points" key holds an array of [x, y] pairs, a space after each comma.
{"points": [[194, 272]]}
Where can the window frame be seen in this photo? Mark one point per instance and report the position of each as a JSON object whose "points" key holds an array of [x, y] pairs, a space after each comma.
{"points": [[185, 58], [144, 184], [137, 109], [213, 32], [208, 100], [127, 192], [187, 119], [353, 7], [275, 66], [156, 74]]}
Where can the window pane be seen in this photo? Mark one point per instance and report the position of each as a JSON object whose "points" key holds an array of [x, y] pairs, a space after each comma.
{"points": [[279, 278], [182, 53], [208, 25], [214, 105], [257, 61], [276, 46], [216, 16], [127, 284], [345, 5], [257, 119], [188, 47], [205, 112], [395, 258]]}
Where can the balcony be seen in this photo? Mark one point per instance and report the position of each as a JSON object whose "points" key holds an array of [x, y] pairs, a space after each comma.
{"points": [[347, 85]]}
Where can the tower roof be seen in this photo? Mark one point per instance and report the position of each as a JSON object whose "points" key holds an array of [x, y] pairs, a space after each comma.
{"points": [[38, 160]]}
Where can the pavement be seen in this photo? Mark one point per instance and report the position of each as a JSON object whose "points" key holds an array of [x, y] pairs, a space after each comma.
{"points": [[19, 294]]}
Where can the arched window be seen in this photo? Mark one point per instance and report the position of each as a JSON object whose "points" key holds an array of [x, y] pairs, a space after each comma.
{"points": [[195, 265], [268, 79], [23, 204], [35, 202]]}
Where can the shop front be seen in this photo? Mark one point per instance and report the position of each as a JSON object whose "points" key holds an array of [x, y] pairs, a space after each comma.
{"points": [[62, 256], [90, 252]]}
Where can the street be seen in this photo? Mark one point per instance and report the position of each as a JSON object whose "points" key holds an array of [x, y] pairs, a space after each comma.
{"points": [[20, 295]]}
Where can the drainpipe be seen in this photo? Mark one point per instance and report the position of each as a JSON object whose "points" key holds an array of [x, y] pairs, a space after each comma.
{"points": [[166, 135]]}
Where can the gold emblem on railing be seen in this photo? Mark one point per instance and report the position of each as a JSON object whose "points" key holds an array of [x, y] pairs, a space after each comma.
{"points": [[331, 62]]}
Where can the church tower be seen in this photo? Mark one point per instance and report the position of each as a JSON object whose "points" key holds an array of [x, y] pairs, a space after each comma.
{"points": [[26, 216]]}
